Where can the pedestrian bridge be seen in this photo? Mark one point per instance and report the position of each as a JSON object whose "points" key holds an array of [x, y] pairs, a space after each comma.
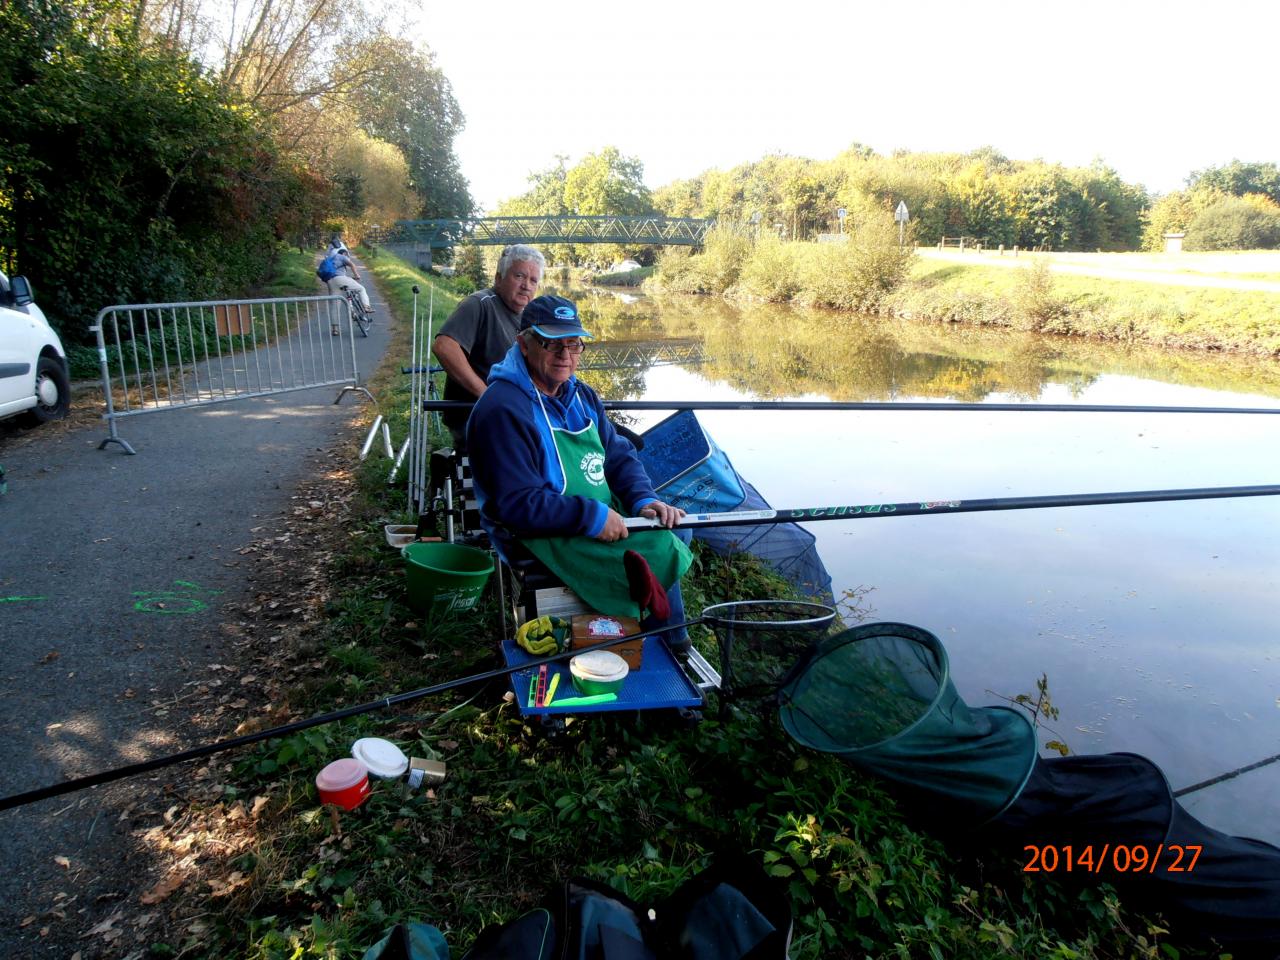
{"points": [[441, 234]]}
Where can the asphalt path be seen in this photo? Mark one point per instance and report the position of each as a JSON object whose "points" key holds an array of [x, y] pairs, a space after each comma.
{"points": [[115, 574]]}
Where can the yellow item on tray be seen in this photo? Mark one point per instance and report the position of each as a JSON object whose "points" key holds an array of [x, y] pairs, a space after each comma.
{"points": [[543, 636]]}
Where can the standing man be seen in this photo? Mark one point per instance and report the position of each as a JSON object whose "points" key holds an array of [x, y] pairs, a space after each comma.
{"points": [[480, 332]]}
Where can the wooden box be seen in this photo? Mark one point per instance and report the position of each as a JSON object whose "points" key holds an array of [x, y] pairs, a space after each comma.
{"points": [[592, 628]]}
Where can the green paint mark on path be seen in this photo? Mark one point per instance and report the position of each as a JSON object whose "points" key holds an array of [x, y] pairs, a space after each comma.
{"points": [[171, 602]]}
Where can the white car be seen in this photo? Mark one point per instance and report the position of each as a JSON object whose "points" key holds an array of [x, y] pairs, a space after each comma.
{"points": [[34, 380]]}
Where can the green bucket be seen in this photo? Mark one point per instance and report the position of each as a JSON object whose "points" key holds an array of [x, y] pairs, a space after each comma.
{"points": [[444, 577]]}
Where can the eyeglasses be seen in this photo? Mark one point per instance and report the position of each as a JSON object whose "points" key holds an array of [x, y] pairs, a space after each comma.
{"points": [[571, 347]]}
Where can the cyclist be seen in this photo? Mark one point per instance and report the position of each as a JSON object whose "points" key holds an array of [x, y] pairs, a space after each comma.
{"points": [[343, 280]]}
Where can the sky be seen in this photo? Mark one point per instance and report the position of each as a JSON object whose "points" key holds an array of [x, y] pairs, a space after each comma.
{"points": [[1156, 90]]}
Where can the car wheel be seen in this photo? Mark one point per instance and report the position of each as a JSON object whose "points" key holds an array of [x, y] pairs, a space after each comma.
{"points": [[53, 392]]}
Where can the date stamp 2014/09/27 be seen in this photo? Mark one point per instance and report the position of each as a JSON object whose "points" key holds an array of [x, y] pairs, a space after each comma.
{"points": [[1119, 858]]}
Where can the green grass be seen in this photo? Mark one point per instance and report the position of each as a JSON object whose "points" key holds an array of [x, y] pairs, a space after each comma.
{"points": [[1163, 315], [626, 278], [294, 275], [638, 801]]}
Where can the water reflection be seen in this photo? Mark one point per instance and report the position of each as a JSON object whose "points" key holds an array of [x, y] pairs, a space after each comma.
{"points": [[774, 351], [1156, 623]]}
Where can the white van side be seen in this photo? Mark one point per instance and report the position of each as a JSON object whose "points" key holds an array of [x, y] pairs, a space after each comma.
{"points": [[34, 379]]}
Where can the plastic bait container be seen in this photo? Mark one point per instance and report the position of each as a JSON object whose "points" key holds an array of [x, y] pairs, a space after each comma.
{"points": [[382, 758], [343, 783], [598, 671]]}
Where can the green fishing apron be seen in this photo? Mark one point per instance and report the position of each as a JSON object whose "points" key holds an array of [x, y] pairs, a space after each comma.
{"points": [[592, 568]]}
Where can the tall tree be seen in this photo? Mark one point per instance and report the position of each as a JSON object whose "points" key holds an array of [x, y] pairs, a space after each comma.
{"points": [[1238, 178], [607, 183], [405, 99], [120, 153]]}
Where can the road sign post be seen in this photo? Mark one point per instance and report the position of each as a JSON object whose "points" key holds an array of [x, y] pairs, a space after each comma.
{"points": [[902, 216]]}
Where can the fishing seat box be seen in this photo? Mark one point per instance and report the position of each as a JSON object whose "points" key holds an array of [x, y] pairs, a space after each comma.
{"points": [[592, 628]]}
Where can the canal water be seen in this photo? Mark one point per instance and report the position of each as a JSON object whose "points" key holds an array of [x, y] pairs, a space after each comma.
{"points": [[1157, 625]]}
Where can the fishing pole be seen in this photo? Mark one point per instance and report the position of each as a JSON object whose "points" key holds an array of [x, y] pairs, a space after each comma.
{"points": [[146, 766], [1229, 775], [818, 405], [934, 507]]}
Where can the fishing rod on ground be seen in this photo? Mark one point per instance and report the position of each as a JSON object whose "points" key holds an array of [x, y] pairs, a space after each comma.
{"points": [[934, 507], [815, 405], [146, 766]]}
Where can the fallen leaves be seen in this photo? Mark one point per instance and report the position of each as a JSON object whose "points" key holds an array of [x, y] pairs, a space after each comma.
{"points": [[107, 928], [163, 889], [222, 888]]}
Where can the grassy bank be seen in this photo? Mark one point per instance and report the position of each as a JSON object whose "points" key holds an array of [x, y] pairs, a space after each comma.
{"points": [[623, 278], [638, 801], [868, 272], [1035, 298]]}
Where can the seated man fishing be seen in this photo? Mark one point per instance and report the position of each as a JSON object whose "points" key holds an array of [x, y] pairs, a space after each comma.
{"points": [[553, 477]]}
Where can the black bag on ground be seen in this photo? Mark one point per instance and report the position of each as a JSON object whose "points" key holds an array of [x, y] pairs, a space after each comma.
{"points": [[730, 911]]}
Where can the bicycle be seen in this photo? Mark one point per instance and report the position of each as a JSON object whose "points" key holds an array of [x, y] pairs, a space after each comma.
{"points": [[363, 318]]}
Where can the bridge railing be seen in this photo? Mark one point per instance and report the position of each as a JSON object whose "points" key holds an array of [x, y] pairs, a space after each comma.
{"points": [[441, 233]]}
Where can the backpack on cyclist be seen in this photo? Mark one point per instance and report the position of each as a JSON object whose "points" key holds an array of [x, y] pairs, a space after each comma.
{"points": [[328, 268]]}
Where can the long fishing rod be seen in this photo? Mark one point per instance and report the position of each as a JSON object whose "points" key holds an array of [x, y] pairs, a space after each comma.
{"points": [[934, 507], [819, 405], [146, 766], [1229, 775]]}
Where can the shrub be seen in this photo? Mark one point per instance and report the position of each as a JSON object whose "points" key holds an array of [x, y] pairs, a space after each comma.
{"points": [[1035, 305], [858, 273], [468, 262], [1235, 223], [771, 272], [723, 255]]}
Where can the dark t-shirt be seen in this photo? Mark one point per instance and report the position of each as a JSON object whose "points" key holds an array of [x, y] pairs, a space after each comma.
{"points": [[485, 328]]}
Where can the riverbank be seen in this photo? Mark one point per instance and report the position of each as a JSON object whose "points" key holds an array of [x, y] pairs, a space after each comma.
{"points": [[632, 801], [1198, 311], [1220, 302]]}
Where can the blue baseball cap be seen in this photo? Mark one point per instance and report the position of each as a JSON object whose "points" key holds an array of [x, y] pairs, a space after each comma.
{"points": [[553, 318]]}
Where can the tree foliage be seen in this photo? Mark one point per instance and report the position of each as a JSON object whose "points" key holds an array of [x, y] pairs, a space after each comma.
{"points": [[981, 194], [1239, 179], [1250, 222], [406, 100], [607, 183], [160, 150], [126, 174], [1240, 196]]}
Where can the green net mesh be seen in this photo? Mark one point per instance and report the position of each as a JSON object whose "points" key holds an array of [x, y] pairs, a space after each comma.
{"points": [[760, 641], [880, 696]]}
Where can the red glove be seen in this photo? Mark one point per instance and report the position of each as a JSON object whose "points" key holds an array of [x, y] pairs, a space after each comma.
{"points": [[644, 586]]}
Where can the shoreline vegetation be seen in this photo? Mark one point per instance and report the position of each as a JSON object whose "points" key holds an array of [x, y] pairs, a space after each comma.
{"points": [[867, 272]]}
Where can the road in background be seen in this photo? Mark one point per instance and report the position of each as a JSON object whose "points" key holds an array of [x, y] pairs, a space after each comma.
{"points": [[1175, 269]]}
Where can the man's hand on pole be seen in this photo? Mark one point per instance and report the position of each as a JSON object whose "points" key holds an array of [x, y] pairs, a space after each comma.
{"points": [[614, 528], [664, 513]]}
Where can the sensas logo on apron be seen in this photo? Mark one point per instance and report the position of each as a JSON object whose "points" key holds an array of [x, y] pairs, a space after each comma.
{"points": [[592, 467]]}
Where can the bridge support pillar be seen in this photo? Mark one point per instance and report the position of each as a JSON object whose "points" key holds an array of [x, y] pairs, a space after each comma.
{"points": [[424, 258]]}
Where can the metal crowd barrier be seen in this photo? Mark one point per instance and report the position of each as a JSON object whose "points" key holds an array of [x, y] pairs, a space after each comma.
{"points": [[164, 356]]}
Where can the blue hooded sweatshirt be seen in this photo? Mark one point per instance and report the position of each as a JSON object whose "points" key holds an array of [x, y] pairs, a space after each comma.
{"points": [[515, 466]]}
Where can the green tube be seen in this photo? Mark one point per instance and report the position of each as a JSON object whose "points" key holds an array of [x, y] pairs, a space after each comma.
{"points": [[584, 701]]}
